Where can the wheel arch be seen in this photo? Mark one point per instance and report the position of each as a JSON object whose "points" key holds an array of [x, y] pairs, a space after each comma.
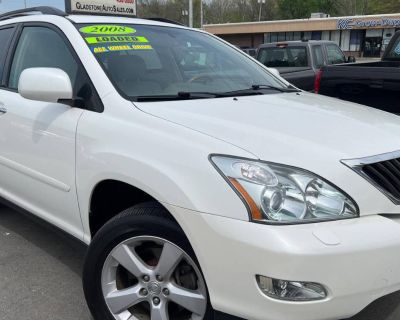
{"points": [[111, 196]]}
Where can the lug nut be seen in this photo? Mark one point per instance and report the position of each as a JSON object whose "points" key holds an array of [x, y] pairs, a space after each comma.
{"points": [[146, 278], [159, 278], [143, 292], [156, 301], [166, 292]]}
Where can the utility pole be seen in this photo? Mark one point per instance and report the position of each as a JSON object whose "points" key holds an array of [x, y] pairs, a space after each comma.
{"points": [[261, 2], [201, 14], [191, 13]]}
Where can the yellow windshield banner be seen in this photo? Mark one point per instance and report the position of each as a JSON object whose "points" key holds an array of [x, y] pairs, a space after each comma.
{"points": [[124, 47], [107, 30], [115, 39]]}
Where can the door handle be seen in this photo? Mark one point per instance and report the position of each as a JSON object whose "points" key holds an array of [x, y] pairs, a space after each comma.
{"points": [[3, 110]]}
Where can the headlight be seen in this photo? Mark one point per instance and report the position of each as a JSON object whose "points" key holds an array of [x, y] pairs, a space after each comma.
{"points": [[277, 193]]}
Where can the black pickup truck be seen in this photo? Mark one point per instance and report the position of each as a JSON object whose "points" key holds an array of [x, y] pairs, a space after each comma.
{"points": [[299, 61], [376, 84]]}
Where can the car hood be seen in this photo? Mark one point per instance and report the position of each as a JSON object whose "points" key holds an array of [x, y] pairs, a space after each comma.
{"points": [[284, 127], [298, 129]]}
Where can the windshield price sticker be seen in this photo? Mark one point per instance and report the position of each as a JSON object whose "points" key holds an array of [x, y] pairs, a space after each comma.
{"points": [[122, 47], [115, 39], [107, 30], [104, 7]]}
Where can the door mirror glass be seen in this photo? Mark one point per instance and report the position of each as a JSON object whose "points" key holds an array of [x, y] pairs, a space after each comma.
{"points": [[45, 84]]}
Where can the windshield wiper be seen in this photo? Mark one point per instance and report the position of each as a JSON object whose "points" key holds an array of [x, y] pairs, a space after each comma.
{"points": [[183, 95], [257, 88], [188, 95], [267, 86]]}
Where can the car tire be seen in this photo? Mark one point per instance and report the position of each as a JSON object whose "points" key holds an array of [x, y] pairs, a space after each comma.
{"points": [[145, 231]]}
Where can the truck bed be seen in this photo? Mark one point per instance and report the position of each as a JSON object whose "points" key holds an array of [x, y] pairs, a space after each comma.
{"points": [[375, 84]]}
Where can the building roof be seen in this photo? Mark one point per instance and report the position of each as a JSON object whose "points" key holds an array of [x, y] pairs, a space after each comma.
{"points": [[311, 24]]}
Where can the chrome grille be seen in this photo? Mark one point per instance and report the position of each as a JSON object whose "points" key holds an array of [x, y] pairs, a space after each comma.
{"points": [[383, 171]]}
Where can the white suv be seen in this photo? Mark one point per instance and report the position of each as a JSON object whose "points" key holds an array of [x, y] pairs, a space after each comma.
{"points": [[205, 186]]}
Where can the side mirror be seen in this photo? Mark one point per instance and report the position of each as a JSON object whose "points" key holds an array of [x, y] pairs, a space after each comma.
{"points": [[45, 84], [275, 71], [351, 59]]}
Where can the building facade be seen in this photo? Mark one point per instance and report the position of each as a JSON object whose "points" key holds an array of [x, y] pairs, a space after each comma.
{"points": [[361, 36]]}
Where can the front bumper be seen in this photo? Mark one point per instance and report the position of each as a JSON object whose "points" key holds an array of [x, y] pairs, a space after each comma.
{"points": [[356, 260]]}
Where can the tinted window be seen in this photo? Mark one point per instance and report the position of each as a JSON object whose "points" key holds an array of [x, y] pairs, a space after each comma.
{"points": [[42, 47], [143, 60], [335, 55], [395, 52], [283, 57], [5, 37], [318, 56]]}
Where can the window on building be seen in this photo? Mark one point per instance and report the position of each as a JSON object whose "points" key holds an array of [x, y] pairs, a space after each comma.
{"points": [[316, 35], [296, 36], [289, 36], [307, 35], [356, 37], [345, 40], [281, 36], [335, 36]]}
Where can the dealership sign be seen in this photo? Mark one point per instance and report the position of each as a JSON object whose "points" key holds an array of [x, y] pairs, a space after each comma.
{"points": [[104, 7], [350, 23]]}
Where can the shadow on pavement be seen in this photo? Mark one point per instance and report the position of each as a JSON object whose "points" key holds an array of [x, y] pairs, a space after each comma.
{"points": [[40, 271]]}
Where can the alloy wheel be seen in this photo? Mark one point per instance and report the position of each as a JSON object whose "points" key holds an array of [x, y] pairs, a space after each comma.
{"points": [[149, 278]]}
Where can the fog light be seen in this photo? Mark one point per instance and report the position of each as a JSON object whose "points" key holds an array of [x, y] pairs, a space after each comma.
{"points": [[291, 290]]}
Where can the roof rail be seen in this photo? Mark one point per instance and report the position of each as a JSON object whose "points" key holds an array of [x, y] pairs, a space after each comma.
{"points": [[31, 11], [165, 20]]}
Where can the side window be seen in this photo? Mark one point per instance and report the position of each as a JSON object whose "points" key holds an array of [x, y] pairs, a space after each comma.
{"points": [[41, 47], [318, 56], [335, 55], [5, 37]]}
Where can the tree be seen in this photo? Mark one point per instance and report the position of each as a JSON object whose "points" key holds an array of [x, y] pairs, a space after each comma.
{"points": [[224, 11], [294, 9], [387, 6]]}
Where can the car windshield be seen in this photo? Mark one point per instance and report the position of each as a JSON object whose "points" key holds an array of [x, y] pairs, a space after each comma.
{"points": [[283, 56], [155, 61], [394, 54]]}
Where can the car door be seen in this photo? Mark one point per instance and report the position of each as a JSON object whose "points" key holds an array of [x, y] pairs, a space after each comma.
{"points": [[37, 145]]}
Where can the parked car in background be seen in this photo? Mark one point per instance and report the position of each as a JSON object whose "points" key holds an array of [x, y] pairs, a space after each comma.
{"points": [[250, 51], [376, 84], [299, 61]]}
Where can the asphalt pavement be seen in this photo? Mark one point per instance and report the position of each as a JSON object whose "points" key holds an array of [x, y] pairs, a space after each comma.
{"points": [[40, 275]]}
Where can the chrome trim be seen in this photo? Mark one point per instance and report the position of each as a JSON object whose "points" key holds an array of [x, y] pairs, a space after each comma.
{"points": [[357, 164], [371, 159]]}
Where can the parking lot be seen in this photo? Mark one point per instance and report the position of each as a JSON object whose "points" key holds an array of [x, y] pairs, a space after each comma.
{"points": [[40, 275]]}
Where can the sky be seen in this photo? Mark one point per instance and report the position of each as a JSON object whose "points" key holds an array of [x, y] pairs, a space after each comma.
{"points": [[8, 5]]}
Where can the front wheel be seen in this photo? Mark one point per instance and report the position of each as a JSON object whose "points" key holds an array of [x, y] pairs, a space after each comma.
{"points": [[140, 266]]}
